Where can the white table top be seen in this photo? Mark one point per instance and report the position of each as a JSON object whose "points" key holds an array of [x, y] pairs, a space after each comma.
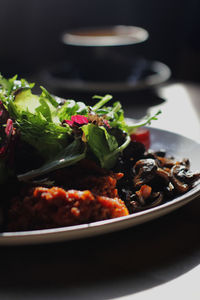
{"points": [[181, 111]]}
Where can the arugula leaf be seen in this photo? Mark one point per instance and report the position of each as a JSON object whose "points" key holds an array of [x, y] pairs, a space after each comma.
{"points": [[100, 142], [47, 95], [111, 158], [71, 108], [12, 85], [48, 138], [146, 121], [7, 84], [102, 102], [44, 110], [38, 124], [114, 114], [38, 120], [70, 155], [26, 101]]}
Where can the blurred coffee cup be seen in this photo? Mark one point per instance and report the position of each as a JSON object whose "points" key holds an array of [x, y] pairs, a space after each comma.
{"points": [[100, 54]]}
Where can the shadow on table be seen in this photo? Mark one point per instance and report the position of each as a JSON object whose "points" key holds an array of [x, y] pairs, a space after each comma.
{"points": [[108, 266]]}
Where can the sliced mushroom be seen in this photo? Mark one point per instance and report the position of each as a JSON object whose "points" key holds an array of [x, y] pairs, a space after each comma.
{"points": [[178, 178], [144, 193], [158, 199], [185, 175], [154, 200], [186, 162], [165, 162], [145, 170], [183, 178], [163, 174], [169, 190]]}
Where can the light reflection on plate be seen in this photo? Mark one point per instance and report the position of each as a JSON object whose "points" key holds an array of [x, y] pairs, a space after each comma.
{"points": [[175, 145]]}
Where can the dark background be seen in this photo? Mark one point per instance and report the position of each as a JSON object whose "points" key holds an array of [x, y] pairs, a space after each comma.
{"points": [[30, 31]]}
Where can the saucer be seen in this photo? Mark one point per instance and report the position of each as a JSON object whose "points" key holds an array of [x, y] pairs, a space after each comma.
{"points": [[141, 74]]}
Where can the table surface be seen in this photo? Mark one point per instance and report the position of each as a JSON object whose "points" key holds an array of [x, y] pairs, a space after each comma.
{"points": [[158, 260]]}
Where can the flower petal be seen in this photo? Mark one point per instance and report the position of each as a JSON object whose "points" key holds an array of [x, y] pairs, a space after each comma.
{"points": [[106, 123], [9, 127], [79, 119], [69, 122]]}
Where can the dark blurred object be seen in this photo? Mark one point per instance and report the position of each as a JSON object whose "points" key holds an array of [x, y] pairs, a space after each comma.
{"points": [[30, 31], [104, 59], [106, 75]]}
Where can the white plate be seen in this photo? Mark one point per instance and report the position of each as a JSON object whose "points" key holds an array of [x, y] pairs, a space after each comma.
{"points": [[176, 145]]}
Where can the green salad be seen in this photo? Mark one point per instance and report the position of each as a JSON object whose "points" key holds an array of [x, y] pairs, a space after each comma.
{"points": [[60, 132]]}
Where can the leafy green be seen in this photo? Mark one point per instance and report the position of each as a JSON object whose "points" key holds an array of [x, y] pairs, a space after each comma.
{"points": [[46, 95], [114, 114], [71, 108], [35, 117], [39, 121], [111, 158], [11, 85], [102, 102], [70, 155], [47, 138], [102, 144], [26, 101], [146, 121], [44, 110]]}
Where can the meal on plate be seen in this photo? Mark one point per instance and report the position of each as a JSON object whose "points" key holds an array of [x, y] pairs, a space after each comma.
{"points": [[64, 163]]}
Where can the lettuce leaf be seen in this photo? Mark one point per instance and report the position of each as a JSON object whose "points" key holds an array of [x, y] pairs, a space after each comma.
{"points": [[48, 138], [11, 85], [102, 144], [35, 117], [71, 108], [70, 155], [115, 115], [39, 118]]}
